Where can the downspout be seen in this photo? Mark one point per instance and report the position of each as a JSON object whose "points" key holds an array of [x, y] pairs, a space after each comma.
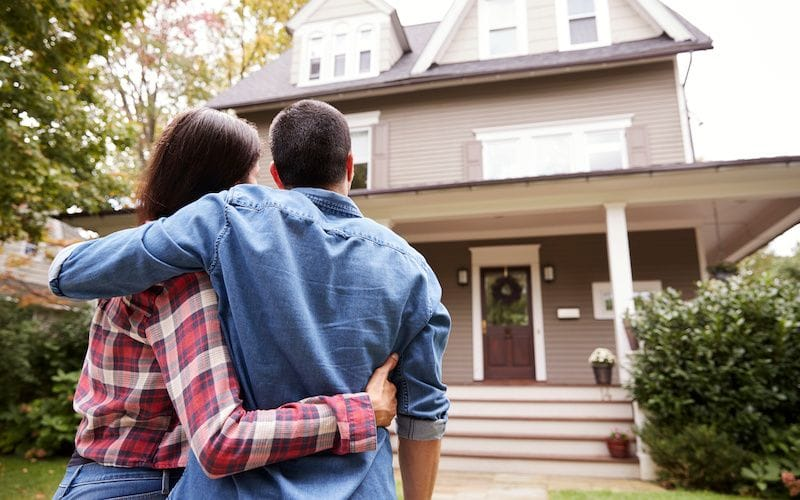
{"points": [[686, 106]]}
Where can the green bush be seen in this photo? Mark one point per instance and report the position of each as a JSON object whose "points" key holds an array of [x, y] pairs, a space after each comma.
{"points": [[720, 371], [41, 354]]}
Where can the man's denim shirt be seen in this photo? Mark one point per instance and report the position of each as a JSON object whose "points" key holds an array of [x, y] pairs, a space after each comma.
{"points": [[313, 297]]}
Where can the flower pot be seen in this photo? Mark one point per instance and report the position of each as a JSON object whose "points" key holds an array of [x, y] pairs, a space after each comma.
{"points": [[602, 374], [618, 448]]}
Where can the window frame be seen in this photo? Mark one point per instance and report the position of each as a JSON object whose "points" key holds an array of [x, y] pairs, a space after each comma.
{"points": [[360, 122], [521, 15], [602, 24], [328, 31], [576, 129]]}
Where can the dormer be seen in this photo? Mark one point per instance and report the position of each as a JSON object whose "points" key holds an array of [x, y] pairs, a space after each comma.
{"points": [[340, 40]]}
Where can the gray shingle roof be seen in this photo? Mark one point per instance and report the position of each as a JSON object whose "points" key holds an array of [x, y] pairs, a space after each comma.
{"points": [[271, 84]]}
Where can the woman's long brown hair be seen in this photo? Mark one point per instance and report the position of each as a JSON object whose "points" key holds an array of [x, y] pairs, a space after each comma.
{"points": [[201, 151]]}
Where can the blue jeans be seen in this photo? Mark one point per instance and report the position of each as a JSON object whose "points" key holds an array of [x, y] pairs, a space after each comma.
{"points": [[100, 482]]}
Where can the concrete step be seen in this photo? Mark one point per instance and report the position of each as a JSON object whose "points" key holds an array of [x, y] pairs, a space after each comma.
{"points": [[575, 466], [566, 446], [622, 410], [537, 393], [536, 427]]}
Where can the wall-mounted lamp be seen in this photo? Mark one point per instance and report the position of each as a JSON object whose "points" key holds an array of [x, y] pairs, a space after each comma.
{"points": [[462, 276], [548, 273]]}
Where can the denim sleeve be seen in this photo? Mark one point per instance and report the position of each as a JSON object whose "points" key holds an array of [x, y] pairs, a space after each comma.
{"points": [[422, 400], [132, 260]]}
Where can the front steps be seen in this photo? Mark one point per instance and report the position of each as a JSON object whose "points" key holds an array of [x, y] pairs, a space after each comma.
{"points": [[537, 429]]}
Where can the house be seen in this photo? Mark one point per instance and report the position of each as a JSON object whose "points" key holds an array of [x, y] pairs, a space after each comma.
{"points": [[538, 154]]}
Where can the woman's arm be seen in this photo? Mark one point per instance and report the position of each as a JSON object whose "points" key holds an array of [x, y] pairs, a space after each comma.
{"points": [[185, 334]]}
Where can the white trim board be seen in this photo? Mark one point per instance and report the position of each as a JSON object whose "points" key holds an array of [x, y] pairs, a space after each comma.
{"points": [[506, 256]]}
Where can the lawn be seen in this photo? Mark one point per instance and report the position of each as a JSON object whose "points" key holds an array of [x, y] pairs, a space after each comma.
{"points": [[650, 495], [22, 479]]}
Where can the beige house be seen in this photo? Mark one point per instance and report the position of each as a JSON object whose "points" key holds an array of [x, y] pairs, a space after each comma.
{"points": [[538, 153]]}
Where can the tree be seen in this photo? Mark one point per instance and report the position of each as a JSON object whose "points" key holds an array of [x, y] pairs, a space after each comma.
{"points": [[181, 53], [782, 266], [55, 131]]}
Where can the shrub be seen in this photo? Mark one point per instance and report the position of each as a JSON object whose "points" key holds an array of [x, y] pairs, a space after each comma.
{"points": [[41, 354], [721, 370]]}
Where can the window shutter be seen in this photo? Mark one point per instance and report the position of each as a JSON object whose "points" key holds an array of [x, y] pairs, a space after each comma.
{"points": [[380, 157], [473, 157], [638, 148]]}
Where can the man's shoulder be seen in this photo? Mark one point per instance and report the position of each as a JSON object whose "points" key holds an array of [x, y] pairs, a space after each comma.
{"points": [[384, 236]]}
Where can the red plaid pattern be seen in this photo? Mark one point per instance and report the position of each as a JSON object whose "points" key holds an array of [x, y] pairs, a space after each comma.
{"points": [[158, 370]]}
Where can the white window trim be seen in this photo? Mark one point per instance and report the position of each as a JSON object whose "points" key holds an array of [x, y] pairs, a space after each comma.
{"points": [[360, 122], [329, 30], [576, 128], [603, 26], [601, 290], [521, 7], [507, 256]]}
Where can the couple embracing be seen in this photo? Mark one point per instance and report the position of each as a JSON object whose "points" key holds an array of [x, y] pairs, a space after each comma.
{"points": [[256, 317]]}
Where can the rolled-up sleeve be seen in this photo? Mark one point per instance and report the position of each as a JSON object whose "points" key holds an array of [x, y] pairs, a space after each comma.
{"points": [[422, 397]]}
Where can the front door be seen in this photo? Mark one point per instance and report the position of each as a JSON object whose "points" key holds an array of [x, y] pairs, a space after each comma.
{"points": [[507, 322]]}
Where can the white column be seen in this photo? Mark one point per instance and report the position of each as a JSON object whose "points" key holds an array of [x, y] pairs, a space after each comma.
{"points": [[619, 267]]}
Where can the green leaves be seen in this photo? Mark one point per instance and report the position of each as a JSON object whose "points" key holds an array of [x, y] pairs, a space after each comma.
{"points": [[727, 360], [55, 133]]}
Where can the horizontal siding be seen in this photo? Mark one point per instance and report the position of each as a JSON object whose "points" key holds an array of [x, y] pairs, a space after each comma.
{"points": [[579, 260], [389, 47], [429, 129], [464, 44], [337, 9], [627, 25]]}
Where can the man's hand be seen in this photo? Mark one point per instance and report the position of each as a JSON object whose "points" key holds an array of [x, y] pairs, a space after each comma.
{"points": [[382, 393]]}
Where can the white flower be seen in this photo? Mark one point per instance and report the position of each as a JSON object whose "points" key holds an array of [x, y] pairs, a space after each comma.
{"points": [[602, 356]]}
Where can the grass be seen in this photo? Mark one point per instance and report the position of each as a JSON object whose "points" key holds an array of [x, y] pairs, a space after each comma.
{"points": [[649, 495], [22, 479]]}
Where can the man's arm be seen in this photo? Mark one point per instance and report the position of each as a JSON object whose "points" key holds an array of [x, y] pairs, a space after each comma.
{"points": [[422, 414], [185, 334], [132, 260]]}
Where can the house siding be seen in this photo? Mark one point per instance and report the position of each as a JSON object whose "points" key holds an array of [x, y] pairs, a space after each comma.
{"points": [[429, 130], [579, 260], [339, 9], [625, 23]]}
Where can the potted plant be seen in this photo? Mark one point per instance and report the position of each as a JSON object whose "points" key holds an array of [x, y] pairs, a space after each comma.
{"points": [[602, 361], [618, 444]]}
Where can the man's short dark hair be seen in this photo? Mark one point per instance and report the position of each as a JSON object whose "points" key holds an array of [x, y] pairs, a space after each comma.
{"points": [[310, 141]]}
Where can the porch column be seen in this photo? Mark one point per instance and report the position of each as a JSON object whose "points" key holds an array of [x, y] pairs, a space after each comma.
{"points": [[619, 267]]}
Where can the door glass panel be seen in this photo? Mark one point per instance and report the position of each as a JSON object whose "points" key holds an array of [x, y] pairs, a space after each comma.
{"points": [[506, 297]]}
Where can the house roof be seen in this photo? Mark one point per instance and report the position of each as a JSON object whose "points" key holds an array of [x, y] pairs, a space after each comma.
{"points": [[271, 85]]}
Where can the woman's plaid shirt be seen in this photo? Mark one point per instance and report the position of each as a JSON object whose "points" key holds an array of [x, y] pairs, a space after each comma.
{"points": [[158, 372]]}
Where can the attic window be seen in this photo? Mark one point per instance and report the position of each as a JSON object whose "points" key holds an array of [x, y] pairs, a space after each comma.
{"points": [[583, 23], [344, 50], [503, 29]]}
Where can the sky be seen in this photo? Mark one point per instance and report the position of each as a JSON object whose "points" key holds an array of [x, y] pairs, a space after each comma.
{"points": [[743, 96]]}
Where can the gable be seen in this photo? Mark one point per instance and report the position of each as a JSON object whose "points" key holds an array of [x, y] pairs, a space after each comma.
{"points": [[337, 9], [622, 20]]}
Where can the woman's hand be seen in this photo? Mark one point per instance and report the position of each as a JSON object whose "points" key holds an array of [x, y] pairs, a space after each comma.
{"points": [[382, 393]]}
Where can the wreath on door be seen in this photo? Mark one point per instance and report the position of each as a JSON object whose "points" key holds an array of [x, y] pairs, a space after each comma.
{"points": [[506, 290]]}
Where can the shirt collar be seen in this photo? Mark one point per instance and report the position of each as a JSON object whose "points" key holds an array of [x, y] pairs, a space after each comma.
{"points": [[328, 201]]}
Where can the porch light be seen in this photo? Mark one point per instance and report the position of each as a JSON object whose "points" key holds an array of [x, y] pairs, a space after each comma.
{"points": [[548, 273], [462, 276]]}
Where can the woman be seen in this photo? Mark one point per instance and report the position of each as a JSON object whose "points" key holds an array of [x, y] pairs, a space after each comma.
{"points": [[158, 379]]}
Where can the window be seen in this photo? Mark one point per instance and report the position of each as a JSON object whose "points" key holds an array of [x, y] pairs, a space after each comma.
{"points": [[315, 57], [503, 28], [583, 23], [554, 148], [339, 54], [340, 50], [365, 50], [360, 145]]}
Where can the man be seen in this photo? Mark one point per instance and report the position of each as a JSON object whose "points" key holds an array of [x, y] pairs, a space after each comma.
{"points": [[313, 297]]}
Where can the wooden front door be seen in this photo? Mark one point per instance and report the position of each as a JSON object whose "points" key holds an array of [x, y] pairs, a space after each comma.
{"points": [[507, 322]]}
